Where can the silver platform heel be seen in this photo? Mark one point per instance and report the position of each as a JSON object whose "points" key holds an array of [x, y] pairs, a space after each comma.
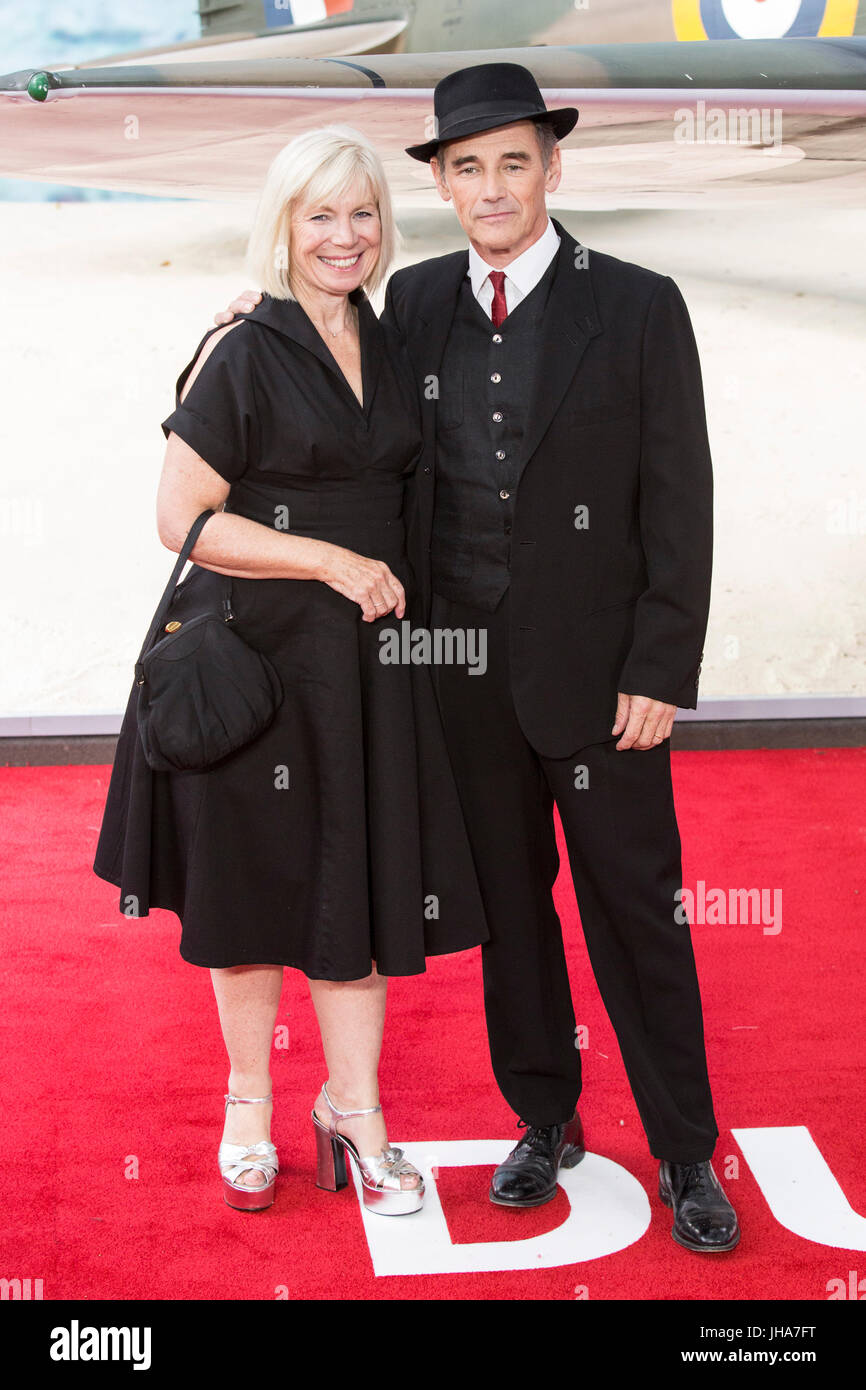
{"points": [[236, 1159], [380, 1173]]}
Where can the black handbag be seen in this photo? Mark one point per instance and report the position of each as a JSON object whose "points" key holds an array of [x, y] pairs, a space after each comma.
{"points": [[203, 691]]}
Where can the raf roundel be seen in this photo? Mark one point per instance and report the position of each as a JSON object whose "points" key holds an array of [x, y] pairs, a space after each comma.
{"points": [[763, 19]]}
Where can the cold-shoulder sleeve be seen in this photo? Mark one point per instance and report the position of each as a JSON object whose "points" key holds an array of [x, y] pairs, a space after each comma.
{"points": [[217, 416]]}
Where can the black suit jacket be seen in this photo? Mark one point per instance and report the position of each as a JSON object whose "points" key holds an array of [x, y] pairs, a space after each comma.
{"points": [[611, 551]]}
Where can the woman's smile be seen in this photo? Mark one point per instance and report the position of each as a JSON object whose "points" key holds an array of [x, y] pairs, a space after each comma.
{"points": [[342, 262]]}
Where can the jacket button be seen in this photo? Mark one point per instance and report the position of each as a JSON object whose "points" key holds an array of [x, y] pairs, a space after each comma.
{"points": [[504, 493]]}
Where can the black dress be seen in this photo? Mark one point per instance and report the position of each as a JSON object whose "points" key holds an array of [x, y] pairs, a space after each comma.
{"points": [[335, 838]]}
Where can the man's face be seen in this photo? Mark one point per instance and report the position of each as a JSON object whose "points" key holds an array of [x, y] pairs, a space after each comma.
{"points": [[497, 183]]}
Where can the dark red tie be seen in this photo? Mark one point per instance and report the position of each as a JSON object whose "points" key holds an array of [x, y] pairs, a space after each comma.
{"points": [[500, 308]]}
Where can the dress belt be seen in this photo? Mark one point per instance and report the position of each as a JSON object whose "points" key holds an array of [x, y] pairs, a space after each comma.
{"points": [[298, 512]]}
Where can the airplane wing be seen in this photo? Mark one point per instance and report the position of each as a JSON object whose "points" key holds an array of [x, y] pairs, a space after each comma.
{"points": [[688, 124], [310, 41]]}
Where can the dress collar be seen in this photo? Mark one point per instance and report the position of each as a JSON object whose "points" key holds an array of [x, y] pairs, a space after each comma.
{"points": [[287, 317]]}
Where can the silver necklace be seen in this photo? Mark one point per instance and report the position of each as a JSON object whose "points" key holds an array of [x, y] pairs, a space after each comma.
{"points": [[324, 327]]}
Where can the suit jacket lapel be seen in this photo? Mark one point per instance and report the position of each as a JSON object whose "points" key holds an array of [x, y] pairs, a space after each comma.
{"points": [[427, 344], [570, 321]]}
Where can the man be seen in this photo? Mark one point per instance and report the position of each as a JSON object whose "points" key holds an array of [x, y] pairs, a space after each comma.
{"points": [[564, 504]]}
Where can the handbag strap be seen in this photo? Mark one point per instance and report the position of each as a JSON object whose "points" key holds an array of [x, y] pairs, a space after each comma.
{"points": [[165, 602]]}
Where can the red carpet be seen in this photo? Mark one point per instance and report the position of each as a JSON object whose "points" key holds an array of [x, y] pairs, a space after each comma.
{"points": [[115, 1070]]}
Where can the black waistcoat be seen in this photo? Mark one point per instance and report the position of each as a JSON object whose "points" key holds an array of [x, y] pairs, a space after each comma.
{"points": [[485, 387]]}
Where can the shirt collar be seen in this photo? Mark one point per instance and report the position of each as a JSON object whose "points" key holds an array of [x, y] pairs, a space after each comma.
{"points": [[526, 269]]}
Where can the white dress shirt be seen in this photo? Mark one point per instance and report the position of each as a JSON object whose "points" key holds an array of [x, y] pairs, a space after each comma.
{"points": [[521, 276]]}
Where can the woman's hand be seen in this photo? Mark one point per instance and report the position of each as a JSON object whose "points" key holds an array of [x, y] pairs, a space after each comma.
{"points": [[369, 583]]}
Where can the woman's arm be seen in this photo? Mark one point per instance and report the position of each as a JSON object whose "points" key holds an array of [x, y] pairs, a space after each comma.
{"points": [[246, 549]]}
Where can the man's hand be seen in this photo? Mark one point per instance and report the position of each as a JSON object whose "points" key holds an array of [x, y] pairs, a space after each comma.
{"points": [[646, 723], [244, 304]]}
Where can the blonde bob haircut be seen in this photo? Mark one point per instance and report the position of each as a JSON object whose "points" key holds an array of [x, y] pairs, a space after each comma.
{"points": [[315, 168]]}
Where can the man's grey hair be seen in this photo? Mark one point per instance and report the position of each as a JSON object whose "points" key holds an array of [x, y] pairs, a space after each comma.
{"points": [[547, 139]]}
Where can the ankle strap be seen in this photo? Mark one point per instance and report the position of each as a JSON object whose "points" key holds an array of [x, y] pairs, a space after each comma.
{"points": [[344, 1114], [246, 1100]]}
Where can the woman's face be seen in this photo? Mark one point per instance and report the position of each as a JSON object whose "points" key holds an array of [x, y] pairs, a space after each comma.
{"points": [[335, 244]]}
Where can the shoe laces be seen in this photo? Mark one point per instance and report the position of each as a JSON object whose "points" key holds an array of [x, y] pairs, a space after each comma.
{"points": [[697, 1176], [535, 1138]]}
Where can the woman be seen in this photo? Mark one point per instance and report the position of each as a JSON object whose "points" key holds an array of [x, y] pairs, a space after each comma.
{"points": [[333, 843]]}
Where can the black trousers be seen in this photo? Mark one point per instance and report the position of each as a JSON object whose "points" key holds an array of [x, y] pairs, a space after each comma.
{"points": [[617, 813]]}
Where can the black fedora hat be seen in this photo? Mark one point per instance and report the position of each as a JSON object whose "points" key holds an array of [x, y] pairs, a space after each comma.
{"points": [[485, 97]]}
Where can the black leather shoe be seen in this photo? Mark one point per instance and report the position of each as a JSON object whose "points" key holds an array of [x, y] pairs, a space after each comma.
{"points": [[704, 1219], [527, 1177]]}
